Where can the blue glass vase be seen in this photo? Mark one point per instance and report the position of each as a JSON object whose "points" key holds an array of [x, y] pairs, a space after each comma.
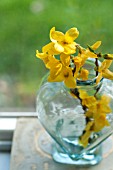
{"points": [[63, 118]]}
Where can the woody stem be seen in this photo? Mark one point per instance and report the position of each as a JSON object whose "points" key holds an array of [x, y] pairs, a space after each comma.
{"points": [[96, 63]]}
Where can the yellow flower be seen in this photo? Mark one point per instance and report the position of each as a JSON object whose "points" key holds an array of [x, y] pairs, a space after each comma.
{"points": [[94, 125], [85, 54], [97, 112], [55, 69], [99, 123], [47, 59], [57, 65], [64, 42], [84, 74], [49, 49], [60, 71], [99, 107], [86, 99], [77, 62], [65, 75], [65, 59], [103, 105], [104, 71]]}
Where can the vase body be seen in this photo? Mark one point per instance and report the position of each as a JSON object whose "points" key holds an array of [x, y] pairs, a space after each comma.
{"points": [[63, 118]]}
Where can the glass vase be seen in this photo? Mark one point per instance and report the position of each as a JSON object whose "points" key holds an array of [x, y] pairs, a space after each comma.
{"points": [[63, 117]]}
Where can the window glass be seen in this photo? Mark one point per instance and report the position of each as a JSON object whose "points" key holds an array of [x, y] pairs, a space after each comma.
{"points": [[24, 27]]}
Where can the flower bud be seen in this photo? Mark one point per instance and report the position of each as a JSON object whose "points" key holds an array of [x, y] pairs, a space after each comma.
{"points": [[108, 56]]}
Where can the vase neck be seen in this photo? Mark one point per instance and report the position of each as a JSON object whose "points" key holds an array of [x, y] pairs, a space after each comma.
{"points": [[89, 86]]}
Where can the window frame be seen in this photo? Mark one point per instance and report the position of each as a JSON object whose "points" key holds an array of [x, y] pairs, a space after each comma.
{"points": [[17, 114], [6, 133]]}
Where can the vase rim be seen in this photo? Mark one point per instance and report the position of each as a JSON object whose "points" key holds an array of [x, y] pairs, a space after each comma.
{"points": [[88, 82]]}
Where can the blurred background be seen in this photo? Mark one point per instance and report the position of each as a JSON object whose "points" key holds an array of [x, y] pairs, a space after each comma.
{"points": [[25, 26]]}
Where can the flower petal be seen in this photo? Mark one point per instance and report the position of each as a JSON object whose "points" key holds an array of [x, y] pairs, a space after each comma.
{"points": [[70, 48], [107, 74], [84, 74], [96, 45], [55, 70], [105, 65], [40, 55], [100, 123], [70, 82], [88, 101], [56, 35], [44, 57], [71, 35], [65, 59], [77, 62], [59, 48], [99, 78], [108, 63], [51, 61], [59, 78], [83, 94], [51, 32], [49, 48], [90, 54]]}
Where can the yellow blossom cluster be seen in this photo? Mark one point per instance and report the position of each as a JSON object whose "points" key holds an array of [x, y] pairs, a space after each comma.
{"points": [[65, 59], [72, 57], [96, 112]]}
